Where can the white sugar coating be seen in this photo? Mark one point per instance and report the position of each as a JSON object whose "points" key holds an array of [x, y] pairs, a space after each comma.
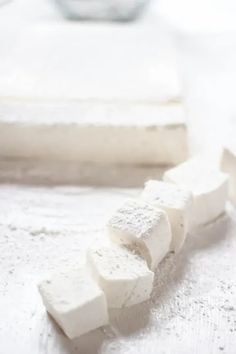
{"points": [[167, 194], [72, 298], [208, 185], [176, 202], [123, 276], [144, 227], [228, 164], [34, 70]]}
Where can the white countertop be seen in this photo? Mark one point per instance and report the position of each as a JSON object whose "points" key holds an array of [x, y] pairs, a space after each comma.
{"points": [[193, 305]]}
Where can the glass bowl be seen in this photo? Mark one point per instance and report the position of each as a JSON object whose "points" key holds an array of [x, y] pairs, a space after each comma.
{"points": [[110, 10]]}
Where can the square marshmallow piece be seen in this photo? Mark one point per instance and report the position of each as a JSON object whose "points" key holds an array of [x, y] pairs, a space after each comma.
{"points": [[123, 276], [208, 185], [75, 301], [228, 164], [144, 227], [176, 202]]}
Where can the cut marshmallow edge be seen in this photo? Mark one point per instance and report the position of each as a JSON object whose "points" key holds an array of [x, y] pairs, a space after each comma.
{"points": [[144, 228], [75, 301], [142, 231], [123, 275], [79, 298], [176, 202], [228, 165], [208, 185]]}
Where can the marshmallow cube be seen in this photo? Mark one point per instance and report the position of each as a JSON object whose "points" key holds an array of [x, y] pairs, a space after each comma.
{"points": [[228, 164], [75, 301], [176, 202], [123, 276], [144, 227], [208, 185]]}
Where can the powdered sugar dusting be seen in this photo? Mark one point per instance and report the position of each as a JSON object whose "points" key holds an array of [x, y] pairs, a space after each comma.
{"points": [[192, 307]]}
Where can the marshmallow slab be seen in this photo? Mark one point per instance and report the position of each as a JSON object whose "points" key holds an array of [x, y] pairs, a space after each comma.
{"points": [[144, 227], [228, 164], [123, 276], [55, 62], [75, 301], [208, 185], [89, 131], [175, 201]]}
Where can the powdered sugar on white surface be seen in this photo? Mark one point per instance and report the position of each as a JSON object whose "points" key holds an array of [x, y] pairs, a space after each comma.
{"points": [[127, 113], [193, 305]]}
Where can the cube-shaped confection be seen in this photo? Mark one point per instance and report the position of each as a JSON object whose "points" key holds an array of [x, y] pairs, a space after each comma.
{"points": [[176, 202], [143, 227], [122, 275], [208, 185], [75, 301], [228, 164]]}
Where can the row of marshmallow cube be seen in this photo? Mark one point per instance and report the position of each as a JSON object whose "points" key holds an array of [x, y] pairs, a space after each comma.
{"points": [[144, 231]]}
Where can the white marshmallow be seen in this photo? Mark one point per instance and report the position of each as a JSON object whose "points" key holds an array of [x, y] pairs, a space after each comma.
{"points": [[33, 67], [228, 164], [176, 202], [143, 226], [208, 185], [75, 301], [136, 133], [123, 276]]}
